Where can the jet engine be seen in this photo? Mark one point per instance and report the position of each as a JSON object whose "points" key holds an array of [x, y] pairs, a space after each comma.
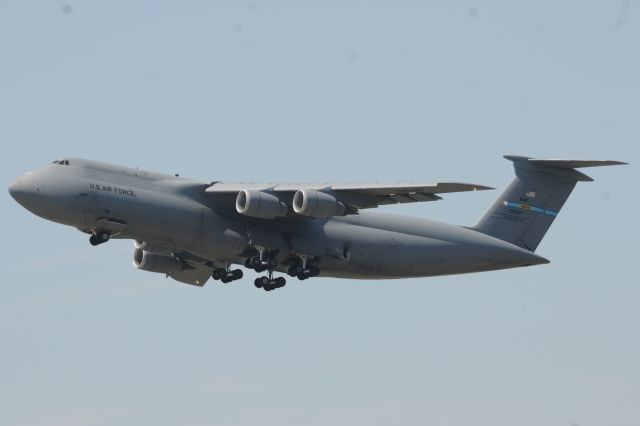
{"points": [[260, 204], [170, 266], [309, 202], [155, 262]]}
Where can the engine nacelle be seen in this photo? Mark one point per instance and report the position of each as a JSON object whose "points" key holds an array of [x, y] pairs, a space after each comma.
{"points": [[309, 202], [260, 204], [155, 262]]}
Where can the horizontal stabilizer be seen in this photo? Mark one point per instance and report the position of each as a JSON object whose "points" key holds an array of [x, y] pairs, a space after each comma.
{"points": [[565, 167], [575, 164]]}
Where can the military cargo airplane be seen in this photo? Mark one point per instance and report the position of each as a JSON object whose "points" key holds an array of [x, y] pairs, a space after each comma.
{"points": [[192, 231]]}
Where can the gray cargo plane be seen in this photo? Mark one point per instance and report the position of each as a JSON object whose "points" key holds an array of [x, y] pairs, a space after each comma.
{"points": [[191, 231]]}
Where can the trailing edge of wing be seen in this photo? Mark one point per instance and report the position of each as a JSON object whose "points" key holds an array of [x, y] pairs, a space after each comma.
{"points": [[401, 188]]}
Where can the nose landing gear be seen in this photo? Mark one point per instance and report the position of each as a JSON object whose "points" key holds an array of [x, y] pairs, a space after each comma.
{"points": [[99, 238]]}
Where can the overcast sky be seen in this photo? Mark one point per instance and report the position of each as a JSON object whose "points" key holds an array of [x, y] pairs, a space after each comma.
{"points": [[330, 91]]}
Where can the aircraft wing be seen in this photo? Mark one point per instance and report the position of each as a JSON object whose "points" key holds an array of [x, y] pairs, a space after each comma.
{"points": [[355, 195], [365, 195]]}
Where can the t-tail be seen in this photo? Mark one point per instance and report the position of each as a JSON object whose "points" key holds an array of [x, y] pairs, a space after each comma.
{"points": [[526, 209]]}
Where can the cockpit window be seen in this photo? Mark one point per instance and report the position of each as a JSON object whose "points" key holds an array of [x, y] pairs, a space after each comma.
{"points": [[61, 162]]}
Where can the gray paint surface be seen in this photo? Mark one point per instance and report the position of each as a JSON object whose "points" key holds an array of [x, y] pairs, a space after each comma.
{"points": [[186, 230]]}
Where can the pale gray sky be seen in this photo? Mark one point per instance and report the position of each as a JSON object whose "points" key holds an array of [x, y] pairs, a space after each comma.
{"points": [[311, 92]]}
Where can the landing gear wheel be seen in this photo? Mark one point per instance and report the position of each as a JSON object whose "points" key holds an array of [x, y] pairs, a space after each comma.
{"points": [[226, 276], [294, 270], [99, 238], [314, 271], [255, 262], [258, 283], [269, 285], [308, 272], [218, 273]]}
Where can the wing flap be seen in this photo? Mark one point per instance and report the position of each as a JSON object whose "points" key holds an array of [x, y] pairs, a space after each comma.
{"points": [[379, 188], [420, 196]]}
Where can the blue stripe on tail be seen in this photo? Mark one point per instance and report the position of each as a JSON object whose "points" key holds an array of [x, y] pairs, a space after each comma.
{"points": [[524, 206]]}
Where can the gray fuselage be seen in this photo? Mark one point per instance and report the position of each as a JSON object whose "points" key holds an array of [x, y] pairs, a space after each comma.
{"points": [[177, 214]]}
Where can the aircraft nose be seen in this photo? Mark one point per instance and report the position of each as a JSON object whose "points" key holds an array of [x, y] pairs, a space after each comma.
{"points": [[25, 191], [15, 188]]}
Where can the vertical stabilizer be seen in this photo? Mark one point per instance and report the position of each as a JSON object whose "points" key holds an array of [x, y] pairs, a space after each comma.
{"points": [[524, 212]]}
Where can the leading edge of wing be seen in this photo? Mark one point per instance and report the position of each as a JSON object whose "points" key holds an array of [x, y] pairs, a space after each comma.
{"points": [[373, 188]]}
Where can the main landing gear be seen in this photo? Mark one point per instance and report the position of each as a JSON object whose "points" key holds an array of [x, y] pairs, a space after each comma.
{"points": [[265, 261], [268, 283], [261, 262], [302, 270], [225, 275], [99, 238]]}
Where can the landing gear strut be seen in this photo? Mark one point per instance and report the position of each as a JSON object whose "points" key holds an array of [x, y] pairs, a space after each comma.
{"points": [[265, 261], [99, 238], [261, 262]]}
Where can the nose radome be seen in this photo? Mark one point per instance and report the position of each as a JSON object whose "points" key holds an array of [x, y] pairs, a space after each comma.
{"points": [[25, 191], [15, 188]]}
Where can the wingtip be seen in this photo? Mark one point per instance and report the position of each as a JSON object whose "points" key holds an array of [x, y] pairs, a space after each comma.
{"points": [[515, 157]]}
